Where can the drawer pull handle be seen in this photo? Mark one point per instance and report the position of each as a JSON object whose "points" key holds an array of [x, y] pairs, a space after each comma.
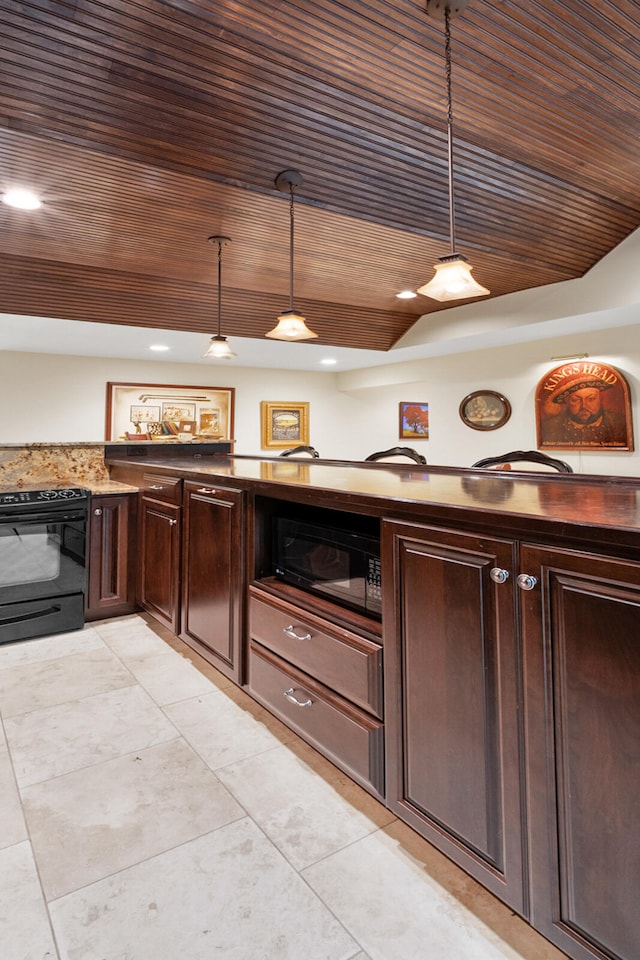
{"points": [[526, 581], [205, 490], [498, 575], [289, 694], [156, 486], [290, 631]]}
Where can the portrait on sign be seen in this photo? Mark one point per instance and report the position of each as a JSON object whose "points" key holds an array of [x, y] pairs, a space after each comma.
{"points": [[583, 405]]}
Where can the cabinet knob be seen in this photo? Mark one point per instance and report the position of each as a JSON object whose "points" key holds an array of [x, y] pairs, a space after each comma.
{"points": [[289, 694], [526, 581], [172, 523], [206, 490], [290, 631], [97, 512], [498, 575]]}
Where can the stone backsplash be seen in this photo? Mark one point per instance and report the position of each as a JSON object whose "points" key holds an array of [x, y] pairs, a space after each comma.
{"points": [[74, 463]]}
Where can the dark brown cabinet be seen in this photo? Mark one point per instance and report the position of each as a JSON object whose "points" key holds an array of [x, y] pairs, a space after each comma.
{"points": [[510, 723], [452, 699], [581, 633], [321, 678], [213, 574], [111, 556], [159, 550]]}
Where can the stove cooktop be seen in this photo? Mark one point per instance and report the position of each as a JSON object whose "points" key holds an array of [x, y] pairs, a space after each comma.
{"points": [[20, 497]]}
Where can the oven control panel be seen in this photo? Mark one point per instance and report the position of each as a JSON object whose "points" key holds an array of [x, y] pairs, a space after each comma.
{"points": [[18, 497]]}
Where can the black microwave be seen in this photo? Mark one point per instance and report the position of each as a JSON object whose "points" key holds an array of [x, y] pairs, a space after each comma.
{"points": [[339, 564]]}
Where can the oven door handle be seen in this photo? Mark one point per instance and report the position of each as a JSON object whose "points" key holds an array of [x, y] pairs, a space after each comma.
{"points": [[48, 516]]}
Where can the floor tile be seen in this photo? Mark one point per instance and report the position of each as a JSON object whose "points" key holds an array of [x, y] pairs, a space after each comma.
{"points": [[237, 734], [397, 910], [228, 894], [168, 677], [56, 740], [45, 683], [25, 933], [88, 824], [48, 648], [120, 626], [470, 895], [12, 825], [303, 815], [133, 641]]}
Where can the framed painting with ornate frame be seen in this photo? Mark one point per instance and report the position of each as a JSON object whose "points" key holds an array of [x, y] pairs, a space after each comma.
{"points": [[283, 424], [157, 410], [485, 410]]}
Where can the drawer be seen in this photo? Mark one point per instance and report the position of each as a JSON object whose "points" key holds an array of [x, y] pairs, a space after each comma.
{"points": [[168, 489], [350, 738], [336, 657]]}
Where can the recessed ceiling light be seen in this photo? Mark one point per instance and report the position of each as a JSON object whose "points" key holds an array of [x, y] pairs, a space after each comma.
{"points": [[328, 361], [406, 295], [159, 347], [22, 199]]}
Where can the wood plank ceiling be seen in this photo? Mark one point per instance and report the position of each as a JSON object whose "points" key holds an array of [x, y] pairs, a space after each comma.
{"points": [[147, 126]]}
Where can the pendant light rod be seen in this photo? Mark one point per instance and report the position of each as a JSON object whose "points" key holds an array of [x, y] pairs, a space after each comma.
{"points": [[221, 241], [290, 179], [290, 246], [447, 56]]}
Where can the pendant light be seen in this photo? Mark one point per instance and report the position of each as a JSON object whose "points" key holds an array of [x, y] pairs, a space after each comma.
{"points": [[291, 325], [453, 280], [219, 349]]}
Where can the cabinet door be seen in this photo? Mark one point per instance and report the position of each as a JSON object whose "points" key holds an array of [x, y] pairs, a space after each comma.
{"points": [[160, 561], [451, 698], [581, 631], [213, 574], [110, 557]]}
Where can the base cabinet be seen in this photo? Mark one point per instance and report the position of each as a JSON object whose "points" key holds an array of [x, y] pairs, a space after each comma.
{"points": [[111, 557], [509, 731], [213, 574], [159, 553], [322, 679], [512, 699], [451, 699], [581, 632]]}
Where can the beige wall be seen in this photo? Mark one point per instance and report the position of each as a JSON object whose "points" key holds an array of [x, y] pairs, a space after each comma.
{"points": [[62, 398]]}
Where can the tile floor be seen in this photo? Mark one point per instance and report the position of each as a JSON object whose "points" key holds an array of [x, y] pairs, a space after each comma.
{"points": [[153, 811]]}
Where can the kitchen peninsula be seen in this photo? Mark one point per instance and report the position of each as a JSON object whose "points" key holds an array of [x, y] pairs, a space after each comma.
{"points": [[495, 706]]}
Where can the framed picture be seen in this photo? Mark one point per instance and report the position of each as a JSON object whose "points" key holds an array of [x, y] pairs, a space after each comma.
{"points": [[485, 410], [414, 421], [283, 424], [583, 406], [159, 409]]}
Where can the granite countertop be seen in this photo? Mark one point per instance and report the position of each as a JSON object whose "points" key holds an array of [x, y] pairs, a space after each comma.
{"points": [[105, 487], [96, 487]]}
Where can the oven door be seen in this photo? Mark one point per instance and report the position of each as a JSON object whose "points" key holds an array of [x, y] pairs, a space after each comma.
{"points": [[42, 573]]}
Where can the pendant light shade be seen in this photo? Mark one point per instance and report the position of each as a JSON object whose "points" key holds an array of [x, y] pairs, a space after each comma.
{"points": [[291, 325], [453, 280], [219, 349]]}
